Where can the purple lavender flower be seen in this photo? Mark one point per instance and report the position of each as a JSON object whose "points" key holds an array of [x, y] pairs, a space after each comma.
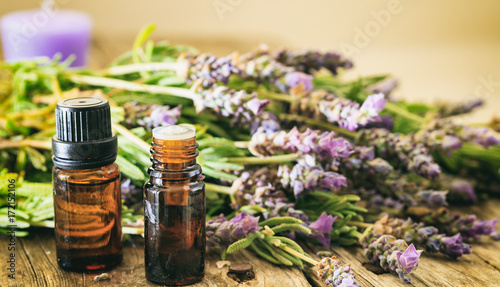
{"points": [[350, 115], [434, 135], [268, 122], [495, 235], [243, 108], [209, 68], [432, 197], [295, 79], [321, 228], [401, 150], [334, 273], [485, 226], [388, 251], [451, 143], [421, 235], [447, 109], [150, 116], [454, 247], [408, 260], [482, 136], [303, 178], [385, 87], [323, 146], [469, 227], [462, 188], [310, 60], [163, 115], [221, 232], [385, 122]]}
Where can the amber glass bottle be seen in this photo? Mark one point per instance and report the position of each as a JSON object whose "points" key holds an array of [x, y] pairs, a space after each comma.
{"points": [[174, 209], [87, 200]]}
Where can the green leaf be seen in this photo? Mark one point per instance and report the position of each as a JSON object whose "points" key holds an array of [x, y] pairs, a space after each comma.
{"points": [[218, 174], [129, 170], [223, 165]]}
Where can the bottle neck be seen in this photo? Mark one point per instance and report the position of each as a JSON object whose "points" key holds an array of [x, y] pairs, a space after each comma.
{"points": [[174, 159]]}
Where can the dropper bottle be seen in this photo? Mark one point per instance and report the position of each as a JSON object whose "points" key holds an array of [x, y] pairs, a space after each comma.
{"points": [[174, 209], [86, 179]]}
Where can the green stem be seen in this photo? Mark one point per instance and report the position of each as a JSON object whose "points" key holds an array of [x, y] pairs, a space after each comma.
{"points": [[130, 86], [296, 253], [318, 123], [241, 144], [218, 188], [403, 113], [359, 224], [132, 137], [264, 160], [142, 67], [274, 96]]}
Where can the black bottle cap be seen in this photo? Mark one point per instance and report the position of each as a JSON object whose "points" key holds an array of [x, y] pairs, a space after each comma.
{"points": [[83, 137]]}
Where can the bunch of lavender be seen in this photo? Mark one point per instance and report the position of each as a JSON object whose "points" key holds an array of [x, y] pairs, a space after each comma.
{"points": [[350, 115], [208, 68], [469, 227], [421, 235], [392, 254], [312, 60], [401, 150], [334, 273], [312, 144], [242, 108], [223, 232], [150, 116], [263, 188]]}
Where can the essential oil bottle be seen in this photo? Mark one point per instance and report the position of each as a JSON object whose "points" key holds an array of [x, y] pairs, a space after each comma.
{"points": [[174, 209], [86, 179]]}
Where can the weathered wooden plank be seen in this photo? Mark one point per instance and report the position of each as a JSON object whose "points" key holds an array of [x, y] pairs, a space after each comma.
{"points": [[36, 263], [37, 266]]}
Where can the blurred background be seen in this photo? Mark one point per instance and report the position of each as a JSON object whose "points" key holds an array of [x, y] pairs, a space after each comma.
{"points": [[437, 49]]}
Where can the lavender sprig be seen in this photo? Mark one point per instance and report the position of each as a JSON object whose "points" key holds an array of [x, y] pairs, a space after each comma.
{"points": [[242, 108], [469, 227], [401, 150], [303, 178], [421, 235], [312, 60], [324, 146], [392, 254], [350, 115], [445, 135], [334, 273], [150, 116], [209, 68], [223, 232], [448, 110]]}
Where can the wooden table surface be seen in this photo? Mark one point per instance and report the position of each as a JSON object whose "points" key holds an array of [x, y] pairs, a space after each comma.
{"points": [[36, 263]]}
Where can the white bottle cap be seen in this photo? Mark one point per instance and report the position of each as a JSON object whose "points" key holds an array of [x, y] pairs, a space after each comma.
{"points": [[174, 132]]}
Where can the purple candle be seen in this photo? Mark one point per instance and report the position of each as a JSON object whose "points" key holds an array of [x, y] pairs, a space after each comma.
{"points": [[45, 32]]}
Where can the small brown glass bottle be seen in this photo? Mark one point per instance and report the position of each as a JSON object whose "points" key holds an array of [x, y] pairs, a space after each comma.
{"points": [[174, 209], [87, 200]]}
